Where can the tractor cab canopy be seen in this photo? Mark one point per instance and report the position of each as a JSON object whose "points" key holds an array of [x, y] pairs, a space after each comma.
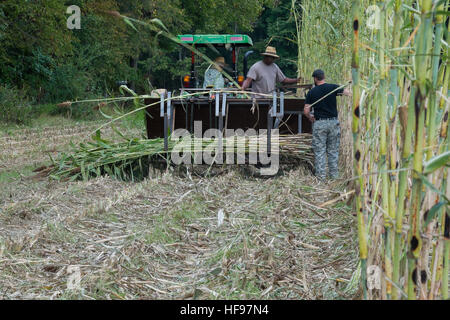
{"points": [[237, 40], [229, 42]]}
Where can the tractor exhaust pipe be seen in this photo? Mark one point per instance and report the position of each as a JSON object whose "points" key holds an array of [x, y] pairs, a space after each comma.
{"points": [[247, 54]]}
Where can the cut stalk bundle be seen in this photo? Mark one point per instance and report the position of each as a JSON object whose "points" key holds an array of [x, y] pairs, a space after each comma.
{"points": [[130, 160]]}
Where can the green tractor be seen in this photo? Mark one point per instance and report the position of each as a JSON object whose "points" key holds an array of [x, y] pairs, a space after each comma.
{"points": [[223, 110], [221, 43]]}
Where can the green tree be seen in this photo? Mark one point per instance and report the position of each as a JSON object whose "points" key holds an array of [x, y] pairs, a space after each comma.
{"points": [[276, 27], [41, 56], [223, 16], [33, 35]]}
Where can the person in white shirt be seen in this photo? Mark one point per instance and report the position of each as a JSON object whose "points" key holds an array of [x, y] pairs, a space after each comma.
{"points": [[213, 75]]}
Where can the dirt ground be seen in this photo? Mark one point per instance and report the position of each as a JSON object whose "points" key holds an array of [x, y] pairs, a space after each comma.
{"points": [[168, 237]]}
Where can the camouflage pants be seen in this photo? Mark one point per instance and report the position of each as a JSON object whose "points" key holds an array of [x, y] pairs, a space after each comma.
{"points": [[325, 143]]}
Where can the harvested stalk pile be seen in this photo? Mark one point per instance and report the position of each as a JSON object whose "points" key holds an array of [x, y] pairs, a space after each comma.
{"points": [[130, 160]]}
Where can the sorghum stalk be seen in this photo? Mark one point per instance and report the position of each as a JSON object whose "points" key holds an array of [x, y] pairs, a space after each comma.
{"points": [[414, 236], [382, 115], [362, 235]]}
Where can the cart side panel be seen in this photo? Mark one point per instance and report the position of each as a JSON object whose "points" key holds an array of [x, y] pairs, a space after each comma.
{"points": [[153, 122], [239, 116]]}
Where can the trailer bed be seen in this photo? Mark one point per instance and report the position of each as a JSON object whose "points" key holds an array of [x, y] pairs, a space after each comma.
{"points": [[240, 114]]}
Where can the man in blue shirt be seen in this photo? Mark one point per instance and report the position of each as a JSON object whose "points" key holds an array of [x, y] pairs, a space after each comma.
{"points": [[326, 128]]}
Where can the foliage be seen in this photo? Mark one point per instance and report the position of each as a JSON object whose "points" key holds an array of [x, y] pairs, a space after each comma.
{"points": [[52, 63], [227, 16], [325, 43], [31, 30], [14, 107], [276, 28]]}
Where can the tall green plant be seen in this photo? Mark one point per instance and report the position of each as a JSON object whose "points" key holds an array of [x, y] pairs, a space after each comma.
{"points": [[400, 134]]}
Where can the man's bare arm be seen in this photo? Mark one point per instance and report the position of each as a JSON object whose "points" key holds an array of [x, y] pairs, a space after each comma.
{"points": [[306, 112], [247, 83], [347, 92], [290, 80]]}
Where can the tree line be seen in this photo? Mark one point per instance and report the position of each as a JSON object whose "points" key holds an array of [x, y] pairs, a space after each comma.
{"points": [[39, 54]]}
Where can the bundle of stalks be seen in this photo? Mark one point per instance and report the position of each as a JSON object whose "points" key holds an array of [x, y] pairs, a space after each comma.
{"points": [[130, 160]]}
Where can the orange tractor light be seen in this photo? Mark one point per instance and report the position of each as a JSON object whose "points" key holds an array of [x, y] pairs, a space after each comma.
{"points": [[186, 81], [240, 80]]}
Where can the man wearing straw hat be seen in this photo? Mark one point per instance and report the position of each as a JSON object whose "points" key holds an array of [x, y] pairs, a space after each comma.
{"points": [[326, 127], [264, 75], [213, 75]]}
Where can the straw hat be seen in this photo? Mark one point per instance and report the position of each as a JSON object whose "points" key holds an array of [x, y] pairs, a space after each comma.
{"points": [[220, 60], [271, 52], [220, 63]]}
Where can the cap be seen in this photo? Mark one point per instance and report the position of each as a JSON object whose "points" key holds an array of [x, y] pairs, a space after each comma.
{"points": [[318, 73]]}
